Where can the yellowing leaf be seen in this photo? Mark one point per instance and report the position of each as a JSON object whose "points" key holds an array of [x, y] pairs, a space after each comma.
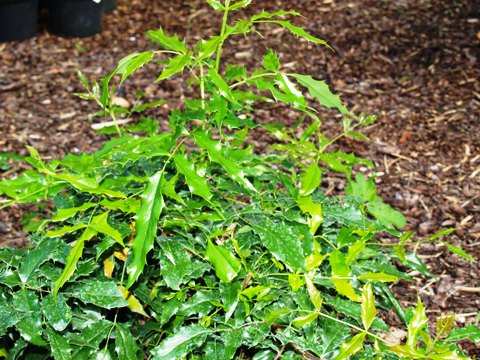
{"points": [[368, 306], [380, 276], [295, 281], [307, 205], [133, 303], [314, 294], [108, 266], [417, 323], [3, 352]]}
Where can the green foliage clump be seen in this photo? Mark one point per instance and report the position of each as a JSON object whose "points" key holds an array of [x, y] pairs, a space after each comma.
{"points": [[188, 244]]}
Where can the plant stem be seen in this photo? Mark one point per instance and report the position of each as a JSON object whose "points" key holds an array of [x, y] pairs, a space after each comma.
{"points": [[222, 34], [202, 86], [251, 78]]}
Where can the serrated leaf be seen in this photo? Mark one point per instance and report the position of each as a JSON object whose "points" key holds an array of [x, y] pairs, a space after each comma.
{"points": [[378, 276], [299, 31], [354, 251], [197, 184], [281, 241], [146, 225], [230, 297], [56, 311], [320, 91], [169, 190], [100, 224], [175, 66], [416, 324], [59, 345], [369, 312], [168, 42], [445, 323], [311, 179], [30, 325], [386, 215], [66, 230], [102, 293], [131, 63], [351, 347], [447, 355], [459, 251], [303, 320], [442, 233], [470, 332], [133, 303], [216, 5], [8, 317], [64, 214], [362, 187], [271, 61], [214, 150], [341, 271], [226, 265], [70, 265], [221, 85], [239, 4], [273, 315], [313, 293], [295, 281], [125, 345], [35, 258], [181, 343], [407, 351]]}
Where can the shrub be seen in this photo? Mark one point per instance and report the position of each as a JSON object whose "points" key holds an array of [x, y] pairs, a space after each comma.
{"points": [[189, 244]]}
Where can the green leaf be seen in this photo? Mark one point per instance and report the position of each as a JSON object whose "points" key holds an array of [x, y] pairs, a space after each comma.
{"points": [[320, 91], [351, 347], [66, 230], [100, 224], [216, 5], [239, 4], [8, 317], [146, 225], [273, 315], [56, 311], [131, 63], [379, 276], [214, 150], [177, 267], [281, 241], [226, 265], [299, 31], [417, 323], [169, 189], [221, 85], [295, 281], [271, 61], [70, 266], [35, 258], [64, 214], [447, 355], [442, 233], [313, 293], [168, 42], [125, 345], [311, 179], [197, 184], [470, 332], [230, 297], [303, 320], [175, 66], [362, 187], [59, 345], [459, 251], [341, 271], [369, 312], [30, 326], [185, 340], [386, 215], [102, 293]]}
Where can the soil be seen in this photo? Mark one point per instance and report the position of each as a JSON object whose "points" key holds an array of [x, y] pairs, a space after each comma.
{"points": [[414, 63]]}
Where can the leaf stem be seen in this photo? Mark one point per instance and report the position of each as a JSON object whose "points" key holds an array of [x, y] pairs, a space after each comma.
{"points": [[222, 34]]}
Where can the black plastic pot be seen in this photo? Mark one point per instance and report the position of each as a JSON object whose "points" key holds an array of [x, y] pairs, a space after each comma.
{"points": [[18, 19], [109, 5], [75, 18]]}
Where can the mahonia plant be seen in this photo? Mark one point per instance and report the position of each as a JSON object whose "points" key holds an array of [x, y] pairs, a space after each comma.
{"points": [[189, 244]]}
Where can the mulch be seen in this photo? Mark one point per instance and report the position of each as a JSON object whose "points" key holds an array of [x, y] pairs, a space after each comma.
{"points": [[413, 63]]}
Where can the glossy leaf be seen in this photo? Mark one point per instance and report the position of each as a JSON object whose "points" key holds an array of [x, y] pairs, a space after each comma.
{"points": [[64, 214], [221, 85], [226, 265], [417, 323], [35, 258], [380, 276], [340, 271], [131, 63], [56, 311], [102, 293], [175, 65], [303, 320], [70, 266], [167, 42], [197, 184], [311, 179], [271, 61], [369, 312], [146, 226], [59, 345], [181, 343], [133, 303], [125, 345], [313, 293], [320, 91], [100, 224], [30, 325], [307, 205], [470, 332], [281, 241], [351, 347]]}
